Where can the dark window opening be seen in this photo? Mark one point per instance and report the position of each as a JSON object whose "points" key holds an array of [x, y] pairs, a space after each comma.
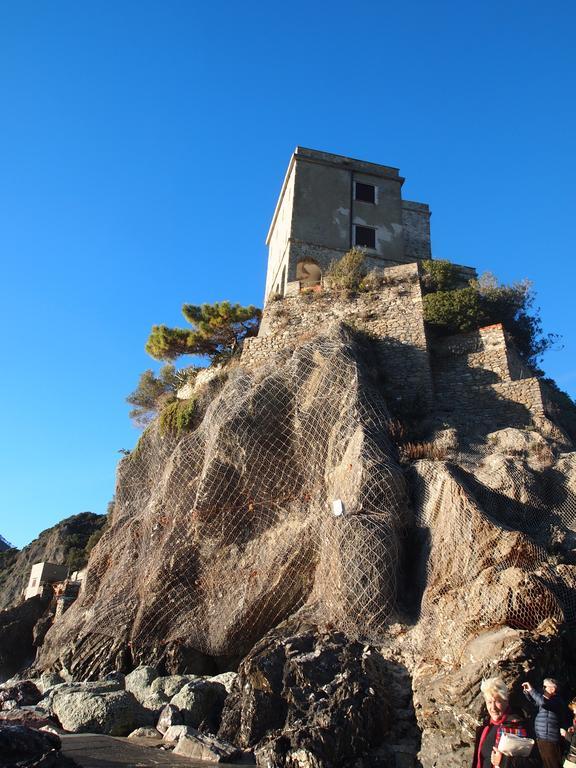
{"points": [[365, 236], [365, 192]]}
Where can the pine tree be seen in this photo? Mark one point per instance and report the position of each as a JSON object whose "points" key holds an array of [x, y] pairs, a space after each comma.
{"points": [[216, 331]]}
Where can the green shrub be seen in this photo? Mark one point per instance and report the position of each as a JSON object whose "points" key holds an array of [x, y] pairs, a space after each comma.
{"points": [[151, 392], [177, 417], [348, 272], [453, 311], [438, 275], [487, 302]]}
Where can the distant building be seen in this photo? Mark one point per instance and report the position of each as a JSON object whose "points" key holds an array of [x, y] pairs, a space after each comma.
{"points": [[44, 573], [328, 204]]}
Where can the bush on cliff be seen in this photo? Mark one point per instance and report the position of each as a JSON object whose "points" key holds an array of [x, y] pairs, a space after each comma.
{"points": [[151, 392], [486, 302], [348, 272], [176, 417], [217, 329]]}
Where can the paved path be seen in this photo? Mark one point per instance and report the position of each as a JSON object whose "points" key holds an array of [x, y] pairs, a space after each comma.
{"points": [[90, 750]]}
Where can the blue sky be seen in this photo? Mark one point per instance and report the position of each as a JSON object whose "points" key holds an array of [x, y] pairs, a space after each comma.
{"points": [[142, 147]]}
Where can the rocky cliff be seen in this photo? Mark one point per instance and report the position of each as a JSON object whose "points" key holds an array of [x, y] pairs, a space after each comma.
{"points": [[303, 488]]}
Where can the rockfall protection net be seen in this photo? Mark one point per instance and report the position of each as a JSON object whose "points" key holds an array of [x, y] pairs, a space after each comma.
{"points": [[498, 524], [222, 532], [288, 490]]}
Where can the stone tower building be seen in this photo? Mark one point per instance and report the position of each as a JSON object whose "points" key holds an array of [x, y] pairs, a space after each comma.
{"points": [[329, 203]]}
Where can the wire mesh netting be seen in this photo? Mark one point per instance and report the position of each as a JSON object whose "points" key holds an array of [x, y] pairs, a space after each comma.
{"points": [[221, 533], [499, 525], [288, 491]]}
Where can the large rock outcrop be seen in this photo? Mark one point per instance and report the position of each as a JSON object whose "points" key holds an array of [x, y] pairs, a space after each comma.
{"points": [[310, 698], [17, 643], [296, 493], [220, 534]]}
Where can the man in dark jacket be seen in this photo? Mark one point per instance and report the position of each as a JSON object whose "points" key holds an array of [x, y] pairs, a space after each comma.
{"points": [[551, 721]]}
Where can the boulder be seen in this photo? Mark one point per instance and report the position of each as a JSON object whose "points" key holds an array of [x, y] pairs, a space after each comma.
{"points": [[170, 685], [116, 713], [97, 686], [201, 701], [309, 698], [22, 694], [22, 746], [203, 746], [140, 678], [227, 679], [170, 715], [117, 676], [33, 717], [176, 731], [49, 680], [153, 702], [145, 733]]}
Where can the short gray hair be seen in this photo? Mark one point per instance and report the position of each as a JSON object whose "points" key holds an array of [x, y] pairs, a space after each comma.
{"points": [[496, 688], [551, 681]]}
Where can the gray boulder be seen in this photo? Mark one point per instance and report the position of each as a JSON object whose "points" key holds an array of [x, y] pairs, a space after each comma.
{"points": [[176, 731], [49, 680], [227, 679], [116, 713], [170, 715], [141, 677], [169, 686], [201, 701], [203, 746], [153, 702], [145, 733], [97, 686]]}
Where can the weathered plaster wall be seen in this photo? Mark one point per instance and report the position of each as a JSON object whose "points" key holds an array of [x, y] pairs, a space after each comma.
{"points": [[385, 215], [279, 239], [322, 205], [317, 214]]}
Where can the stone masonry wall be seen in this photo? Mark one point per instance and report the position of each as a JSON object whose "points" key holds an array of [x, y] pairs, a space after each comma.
{"points": [[480, 378], [472, 380], [416, 226], [393, 315], [482, 357]]}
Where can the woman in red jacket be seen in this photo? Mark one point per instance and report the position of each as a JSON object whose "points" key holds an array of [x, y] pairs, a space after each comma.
{"points": [[500, 721]]}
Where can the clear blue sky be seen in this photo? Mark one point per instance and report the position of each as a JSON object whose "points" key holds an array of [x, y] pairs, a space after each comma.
{"points": [[142, 147]]}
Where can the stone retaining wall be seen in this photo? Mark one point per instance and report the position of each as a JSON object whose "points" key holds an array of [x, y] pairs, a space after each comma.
{"points": [[392, 315], [468, 376]]}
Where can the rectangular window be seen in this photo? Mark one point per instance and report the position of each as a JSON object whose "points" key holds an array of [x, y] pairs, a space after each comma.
{"points": [[364, 236], [364, 192]]}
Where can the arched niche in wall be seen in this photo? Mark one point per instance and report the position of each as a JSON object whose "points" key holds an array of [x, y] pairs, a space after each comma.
{"points": [[308, 273]]}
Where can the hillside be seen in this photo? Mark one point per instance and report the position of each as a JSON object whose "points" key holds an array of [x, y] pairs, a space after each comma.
{"points": [[64, 543]]}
